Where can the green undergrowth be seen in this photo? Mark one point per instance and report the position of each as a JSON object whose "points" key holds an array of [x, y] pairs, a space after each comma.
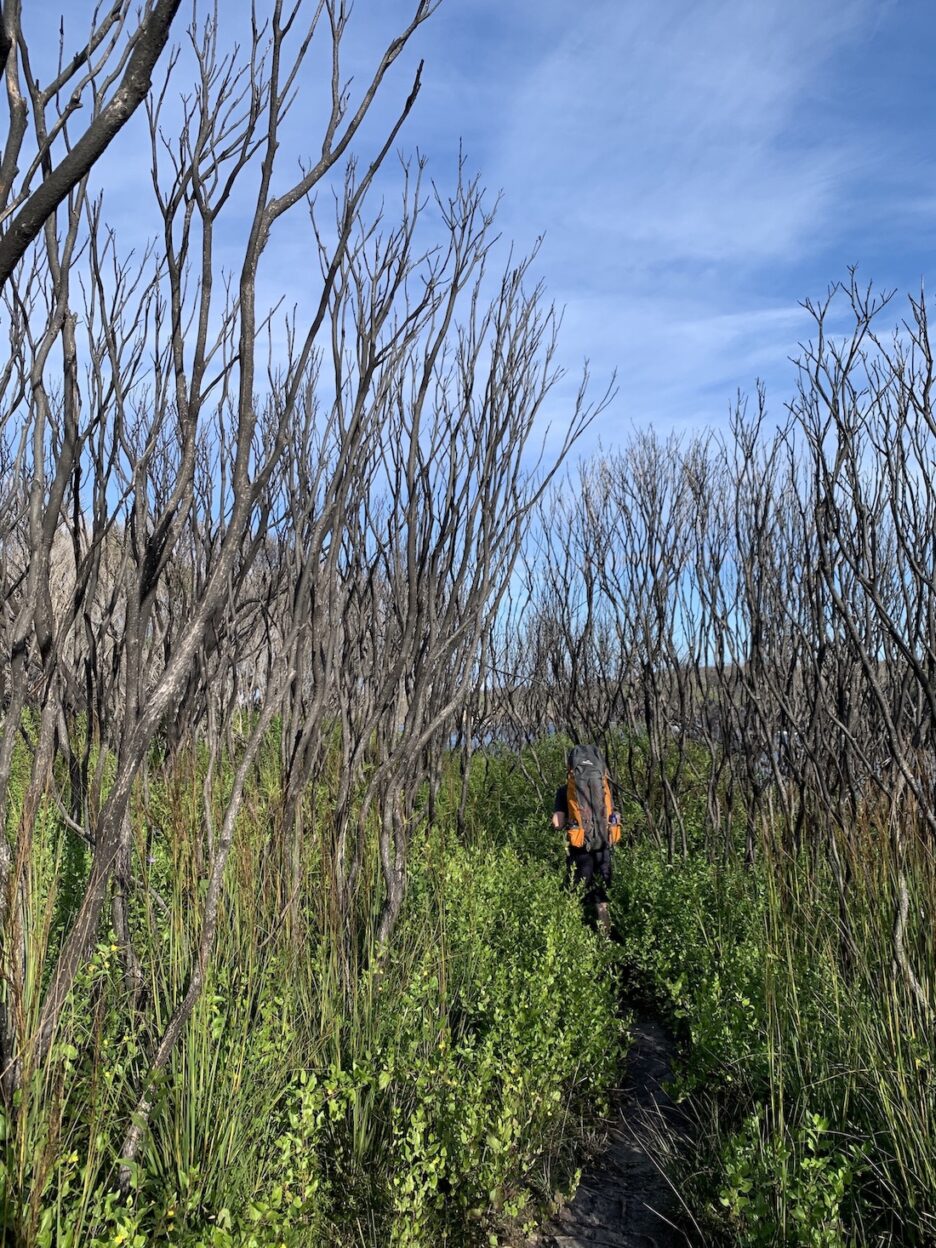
{"points": [[323, 1092], [439, 1092], [808, 1073], [808, 1059]]}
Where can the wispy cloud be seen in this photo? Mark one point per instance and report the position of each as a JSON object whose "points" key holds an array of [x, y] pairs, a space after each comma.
{"points": [[688, 132], [696, 168], [684, 162]]}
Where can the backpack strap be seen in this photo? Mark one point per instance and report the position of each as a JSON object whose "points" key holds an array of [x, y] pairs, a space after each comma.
{"points": [[614, 829], [575, 829]]}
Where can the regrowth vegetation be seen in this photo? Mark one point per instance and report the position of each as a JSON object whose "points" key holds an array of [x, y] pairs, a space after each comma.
{"points": [[247, 563], [749, 625]]}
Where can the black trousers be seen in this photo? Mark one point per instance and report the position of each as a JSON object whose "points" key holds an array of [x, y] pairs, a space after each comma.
{"points": [[593, 868]]}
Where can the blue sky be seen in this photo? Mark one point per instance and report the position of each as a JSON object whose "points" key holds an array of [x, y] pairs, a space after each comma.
{"points": [[696, 169]]}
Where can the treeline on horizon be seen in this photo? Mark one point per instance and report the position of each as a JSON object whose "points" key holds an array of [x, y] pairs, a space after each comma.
{"points": [[766, 593]]}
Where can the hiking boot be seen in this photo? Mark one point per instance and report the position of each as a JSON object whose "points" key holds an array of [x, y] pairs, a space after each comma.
{"points": [[604, 918]]}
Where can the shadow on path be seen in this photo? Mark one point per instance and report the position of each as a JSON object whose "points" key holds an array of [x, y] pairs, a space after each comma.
{"points": [[624, 1200]]}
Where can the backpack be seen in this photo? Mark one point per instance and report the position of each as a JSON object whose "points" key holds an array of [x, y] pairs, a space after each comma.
{"points": [[588, 791]]}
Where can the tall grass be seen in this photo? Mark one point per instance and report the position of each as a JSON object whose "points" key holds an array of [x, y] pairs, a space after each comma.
{"points": [[810, 1073], [323, 1091], [808, 1059]]}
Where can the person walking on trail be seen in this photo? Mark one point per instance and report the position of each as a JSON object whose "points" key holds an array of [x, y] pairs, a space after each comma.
{"points": [[584, 808]]}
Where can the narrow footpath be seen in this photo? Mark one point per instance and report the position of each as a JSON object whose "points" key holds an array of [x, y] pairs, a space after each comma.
{"points": [[624, 1199]]}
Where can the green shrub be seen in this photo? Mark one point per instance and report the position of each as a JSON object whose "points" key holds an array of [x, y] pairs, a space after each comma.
{"points": [[689, 934], [787, 1186], [322, 1091], [749, 966], [527, 1045]]}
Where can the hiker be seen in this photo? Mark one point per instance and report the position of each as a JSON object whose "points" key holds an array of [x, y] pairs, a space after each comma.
{"points": [[584, 808]]}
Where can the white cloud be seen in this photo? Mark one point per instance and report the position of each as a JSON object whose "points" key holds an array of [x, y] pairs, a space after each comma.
{"points": [[675, 154], [680, 363], [684, 158], [677, 129]]}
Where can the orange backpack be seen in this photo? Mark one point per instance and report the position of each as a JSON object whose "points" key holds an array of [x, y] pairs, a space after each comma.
{"points": [[588, 794]]}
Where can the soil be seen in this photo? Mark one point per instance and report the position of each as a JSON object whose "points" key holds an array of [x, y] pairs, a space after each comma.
{"points": [[624, 1200]]}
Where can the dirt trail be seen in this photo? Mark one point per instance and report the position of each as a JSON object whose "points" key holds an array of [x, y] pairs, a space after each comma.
{"points": [[623, 1200]]}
